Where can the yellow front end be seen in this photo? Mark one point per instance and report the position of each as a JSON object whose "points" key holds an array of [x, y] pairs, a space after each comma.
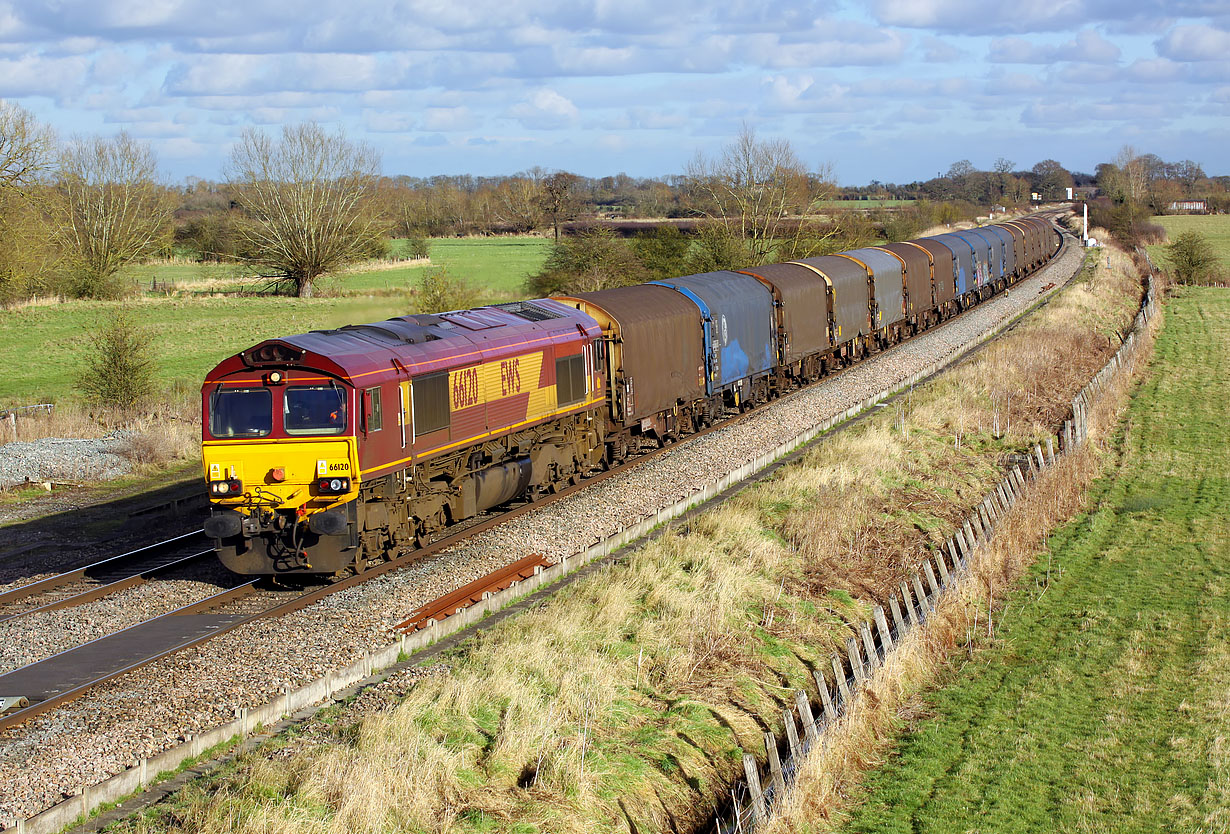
{"points": [[283, 473], [289, 507]]}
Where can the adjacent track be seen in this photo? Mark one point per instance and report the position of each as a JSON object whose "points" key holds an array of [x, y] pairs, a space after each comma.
{"points": [[94, 581]]}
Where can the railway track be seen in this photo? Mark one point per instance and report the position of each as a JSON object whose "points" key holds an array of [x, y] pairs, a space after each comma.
{"points": [[70, 674], [99, 579]]}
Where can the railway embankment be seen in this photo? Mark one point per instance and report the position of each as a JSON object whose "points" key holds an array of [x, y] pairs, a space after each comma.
{"points": [[1100, 701], [629, 695]]}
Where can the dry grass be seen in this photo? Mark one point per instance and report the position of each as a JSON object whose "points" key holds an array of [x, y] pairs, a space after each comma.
{"points": [[624, 701], [162, 432], [865, 735]]}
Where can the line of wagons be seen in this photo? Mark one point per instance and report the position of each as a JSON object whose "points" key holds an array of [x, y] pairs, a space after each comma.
{"points": [[330, 450], [684, 349]]}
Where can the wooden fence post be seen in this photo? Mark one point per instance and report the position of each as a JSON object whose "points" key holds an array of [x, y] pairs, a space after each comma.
{"points": [[954, 554], [909, 606], [965, 539], [775, 767], [945, 576], [1038, 452], [897, 621], [805, 717], [753, 786], [856, 660], [826, 698], [931, 583], [1050, 451], [924, 606], [792, 734], [869, 644], [886, 636], [839, 674]]}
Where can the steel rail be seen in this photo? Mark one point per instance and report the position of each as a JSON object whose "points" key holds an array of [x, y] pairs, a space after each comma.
{"points": [[109, 588], [68, 577]]}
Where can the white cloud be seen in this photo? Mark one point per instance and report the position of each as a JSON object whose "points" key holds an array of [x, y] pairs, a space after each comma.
{"points": [[1088, 48], [545, 109], [1194, 43]]}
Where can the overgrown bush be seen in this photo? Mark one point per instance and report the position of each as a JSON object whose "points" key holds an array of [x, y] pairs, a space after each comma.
{"points": [[1191, 258], [439, 291], [117, 366], [716, 248], [416, 248], [663, 251], [596, 260]]}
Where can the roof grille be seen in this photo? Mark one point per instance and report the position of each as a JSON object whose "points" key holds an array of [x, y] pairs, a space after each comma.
{"points": [[526, 310]]}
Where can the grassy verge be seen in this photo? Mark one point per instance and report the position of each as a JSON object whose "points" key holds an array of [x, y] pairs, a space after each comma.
{"points": [[1101, 703], [624, 701], [1214, 227]]}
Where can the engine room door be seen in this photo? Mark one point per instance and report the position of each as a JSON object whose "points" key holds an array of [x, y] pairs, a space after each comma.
{"points": [[407, 409]]}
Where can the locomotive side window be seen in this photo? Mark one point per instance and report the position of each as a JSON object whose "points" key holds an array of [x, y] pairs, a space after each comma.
{"points": [[240, 412], [430, 403], [570, 380], [314, 409], [375, 414]]}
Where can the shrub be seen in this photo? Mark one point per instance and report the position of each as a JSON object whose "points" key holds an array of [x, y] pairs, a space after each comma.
{"points": [[439, 290], [595, 260], [716, 248], [417, 247], [1192, 258], [663, 251], [117, 369]]}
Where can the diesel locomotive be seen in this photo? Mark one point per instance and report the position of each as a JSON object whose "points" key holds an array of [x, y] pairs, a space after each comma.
{"points": [[329, 451]]}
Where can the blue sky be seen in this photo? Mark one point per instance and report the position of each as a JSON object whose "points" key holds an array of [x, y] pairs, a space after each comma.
{"points": [[893, 90]]}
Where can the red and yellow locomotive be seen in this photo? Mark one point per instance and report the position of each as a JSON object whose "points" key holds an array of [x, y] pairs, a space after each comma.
{"points": [[324, 451]]}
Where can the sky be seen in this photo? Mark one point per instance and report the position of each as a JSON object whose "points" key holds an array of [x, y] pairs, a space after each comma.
{"points": [[889, 90]]}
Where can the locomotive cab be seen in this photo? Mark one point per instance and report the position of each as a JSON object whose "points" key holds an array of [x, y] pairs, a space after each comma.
{"points": [[279, 453]]}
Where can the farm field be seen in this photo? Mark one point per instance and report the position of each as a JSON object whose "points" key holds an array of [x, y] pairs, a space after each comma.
{"points": [[1102, 704], [1215, 228], [856, 204], [193, 332]]}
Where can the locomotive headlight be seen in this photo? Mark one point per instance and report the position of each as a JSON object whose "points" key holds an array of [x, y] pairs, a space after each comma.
{"points": [[225, 489], [333, 486]]}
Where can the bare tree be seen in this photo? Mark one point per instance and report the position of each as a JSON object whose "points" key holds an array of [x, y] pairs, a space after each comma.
{"points": [[518, 200], [110, 210], [26, 148], [304, 196], [559, 197], [1134, 170], [1003, 171], [27, 156], [758, 190]]}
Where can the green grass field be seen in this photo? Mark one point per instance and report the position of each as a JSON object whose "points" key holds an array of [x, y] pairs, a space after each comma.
{"points": [[40, 346], [1103, 705], [496, 266], [856, 204], [1214, 227]]}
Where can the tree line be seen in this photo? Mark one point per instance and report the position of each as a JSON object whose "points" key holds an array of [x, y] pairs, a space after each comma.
{"points": [[302, 203]]}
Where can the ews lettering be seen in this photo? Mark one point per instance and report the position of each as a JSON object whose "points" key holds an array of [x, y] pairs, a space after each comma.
{"points": [[510, 377], [465, 388]]}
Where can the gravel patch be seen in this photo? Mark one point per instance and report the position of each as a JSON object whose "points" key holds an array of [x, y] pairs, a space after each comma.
{"points": [[64, 459], [146, 711]]}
